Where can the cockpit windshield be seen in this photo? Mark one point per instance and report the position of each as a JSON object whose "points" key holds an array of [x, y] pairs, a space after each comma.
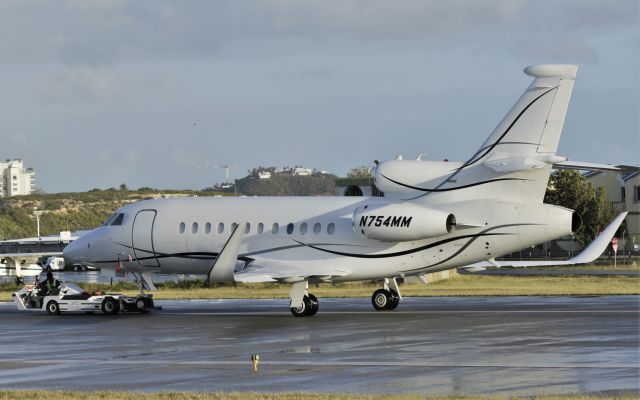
{"points": [[110, 219], [115, 219], [118, 220]]}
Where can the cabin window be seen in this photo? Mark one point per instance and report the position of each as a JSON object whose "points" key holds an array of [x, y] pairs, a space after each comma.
{"points": [[233, 227], [290, 228], [182, 227], [247, 229], [317, 228], [221, 227], [194, 227], [260, 227], [118, 219], [331, 228], [275, 228], [207, 228], [303, 228]]}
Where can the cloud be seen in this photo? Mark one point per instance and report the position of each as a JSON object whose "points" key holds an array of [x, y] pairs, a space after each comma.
{"points": [[306, 73], [81, 84], [108, 31]]}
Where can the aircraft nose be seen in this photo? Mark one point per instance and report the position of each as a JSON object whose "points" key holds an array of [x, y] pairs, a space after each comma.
{"points": [[72, 251]]}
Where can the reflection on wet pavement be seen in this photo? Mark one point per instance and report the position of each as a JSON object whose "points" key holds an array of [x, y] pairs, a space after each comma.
{"points": [[507, 345]]}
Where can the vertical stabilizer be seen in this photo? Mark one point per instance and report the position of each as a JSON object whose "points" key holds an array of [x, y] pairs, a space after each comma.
{"points": [[533, 126], [515, 161]]}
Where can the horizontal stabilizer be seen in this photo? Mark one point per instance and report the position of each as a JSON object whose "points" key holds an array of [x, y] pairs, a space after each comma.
{"points": [[589, 254], [586, 166]]}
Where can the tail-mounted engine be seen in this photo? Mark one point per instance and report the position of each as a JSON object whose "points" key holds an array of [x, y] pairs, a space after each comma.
{"points": [[401, 222]]}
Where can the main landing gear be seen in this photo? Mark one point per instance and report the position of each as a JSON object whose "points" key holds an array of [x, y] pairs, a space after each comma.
{"points": [[387, 298], [303, 304], [309, 306]]}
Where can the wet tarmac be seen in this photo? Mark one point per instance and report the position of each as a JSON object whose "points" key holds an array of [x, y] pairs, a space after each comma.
{"points": [[482, 345]]}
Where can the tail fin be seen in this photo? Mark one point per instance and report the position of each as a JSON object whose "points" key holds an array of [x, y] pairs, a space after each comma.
{"points": [[532, 127], [516, 160]]}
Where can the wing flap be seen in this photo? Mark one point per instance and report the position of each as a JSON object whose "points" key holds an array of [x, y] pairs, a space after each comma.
{"points": [[278, 271]]}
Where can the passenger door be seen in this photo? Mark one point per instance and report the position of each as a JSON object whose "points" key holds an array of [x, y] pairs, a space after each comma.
{"points": [[142, 238]]}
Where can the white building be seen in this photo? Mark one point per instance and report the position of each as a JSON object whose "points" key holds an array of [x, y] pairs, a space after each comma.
{"points": [[15, 179], [301, 171]]}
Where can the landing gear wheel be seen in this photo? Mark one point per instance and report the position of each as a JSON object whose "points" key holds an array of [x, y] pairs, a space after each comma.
{"points": [[309, 307], [53, 308], [140, 304], [110, 306], [381, 299], [395, 300], [315, 306]]}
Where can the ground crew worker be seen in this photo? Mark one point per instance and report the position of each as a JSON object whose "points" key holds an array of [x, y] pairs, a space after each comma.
{"points": [[50, 286]]}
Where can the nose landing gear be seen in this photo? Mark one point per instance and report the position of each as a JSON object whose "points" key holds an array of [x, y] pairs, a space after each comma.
{"points": [[309, 306], [387, 298]]}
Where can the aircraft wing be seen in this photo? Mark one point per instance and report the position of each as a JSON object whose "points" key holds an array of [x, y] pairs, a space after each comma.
{"points": [[589, 254], [280, 271]]}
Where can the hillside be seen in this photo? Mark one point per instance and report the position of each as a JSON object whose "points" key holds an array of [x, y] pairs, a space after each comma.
{"points": [[71, 211], [287, 185], [87, 210]]}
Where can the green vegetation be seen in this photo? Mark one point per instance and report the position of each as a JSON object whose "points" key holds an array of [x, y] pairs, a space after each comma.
{"points": [[287, 185], [572, 190], [72, 211], [76, 395], [478, 285]]}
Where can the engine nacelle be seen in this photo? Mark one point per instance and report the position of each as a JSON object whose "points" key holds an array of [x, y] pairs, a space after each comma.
{"points": [[408, 176], [401, 222]]}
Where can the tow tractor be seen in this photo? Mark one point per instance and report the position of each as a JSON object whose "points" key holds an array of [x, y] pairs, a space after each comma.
{"points": [[71, 297]]}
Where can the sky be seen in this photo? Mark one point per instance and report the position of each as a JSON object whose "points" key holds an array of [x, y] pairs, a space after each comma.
{"points": [[95, 93]]}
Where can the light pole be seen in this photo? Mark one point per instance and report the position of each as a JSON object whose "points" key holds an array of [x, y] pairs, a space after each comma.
{"points": [[624, 244], [38, 214]]}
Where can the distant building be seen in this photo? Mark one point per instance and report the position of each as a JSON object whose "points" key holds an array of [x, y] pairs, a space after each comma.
{"points": [[300, 171], [15, 179], [623, 191], [264, 174]]}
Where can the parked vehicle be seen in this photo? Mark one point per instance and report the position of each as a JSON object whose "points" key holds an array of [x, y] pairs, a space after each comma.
{"points": [[54, 264], [70, 297]]}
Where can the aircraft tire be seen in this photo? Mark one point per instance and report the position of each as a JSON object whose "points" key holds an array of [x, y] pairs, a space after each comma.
{"points": [[381, 299], [315, 305], [110, 306], [395, 300], [53, 308], [309, 307]]}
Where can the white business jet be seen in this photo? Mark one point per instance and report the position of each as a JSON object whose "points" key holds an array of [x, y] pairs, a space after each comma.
{"points": [[434, 216]]}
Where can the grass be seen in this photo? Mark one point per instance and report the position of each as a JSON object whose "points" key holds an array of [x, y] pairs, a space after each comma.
{"points": [[467, 285], [112, 395]]}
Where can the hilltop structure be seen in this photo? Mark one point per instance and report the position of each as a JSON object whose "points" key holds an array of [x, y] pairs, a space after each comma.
{"points": [[15, 179]]}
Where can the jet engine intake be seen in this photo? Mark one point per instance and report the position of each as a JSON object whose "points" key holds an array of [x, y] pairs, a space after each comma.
{"points": [[401, 222]]}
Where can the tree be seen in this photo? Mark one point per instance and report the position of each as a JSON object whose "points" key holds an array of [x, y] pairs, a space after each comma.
{"points": [[123, 187], [362, 171], [572, 190]]}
